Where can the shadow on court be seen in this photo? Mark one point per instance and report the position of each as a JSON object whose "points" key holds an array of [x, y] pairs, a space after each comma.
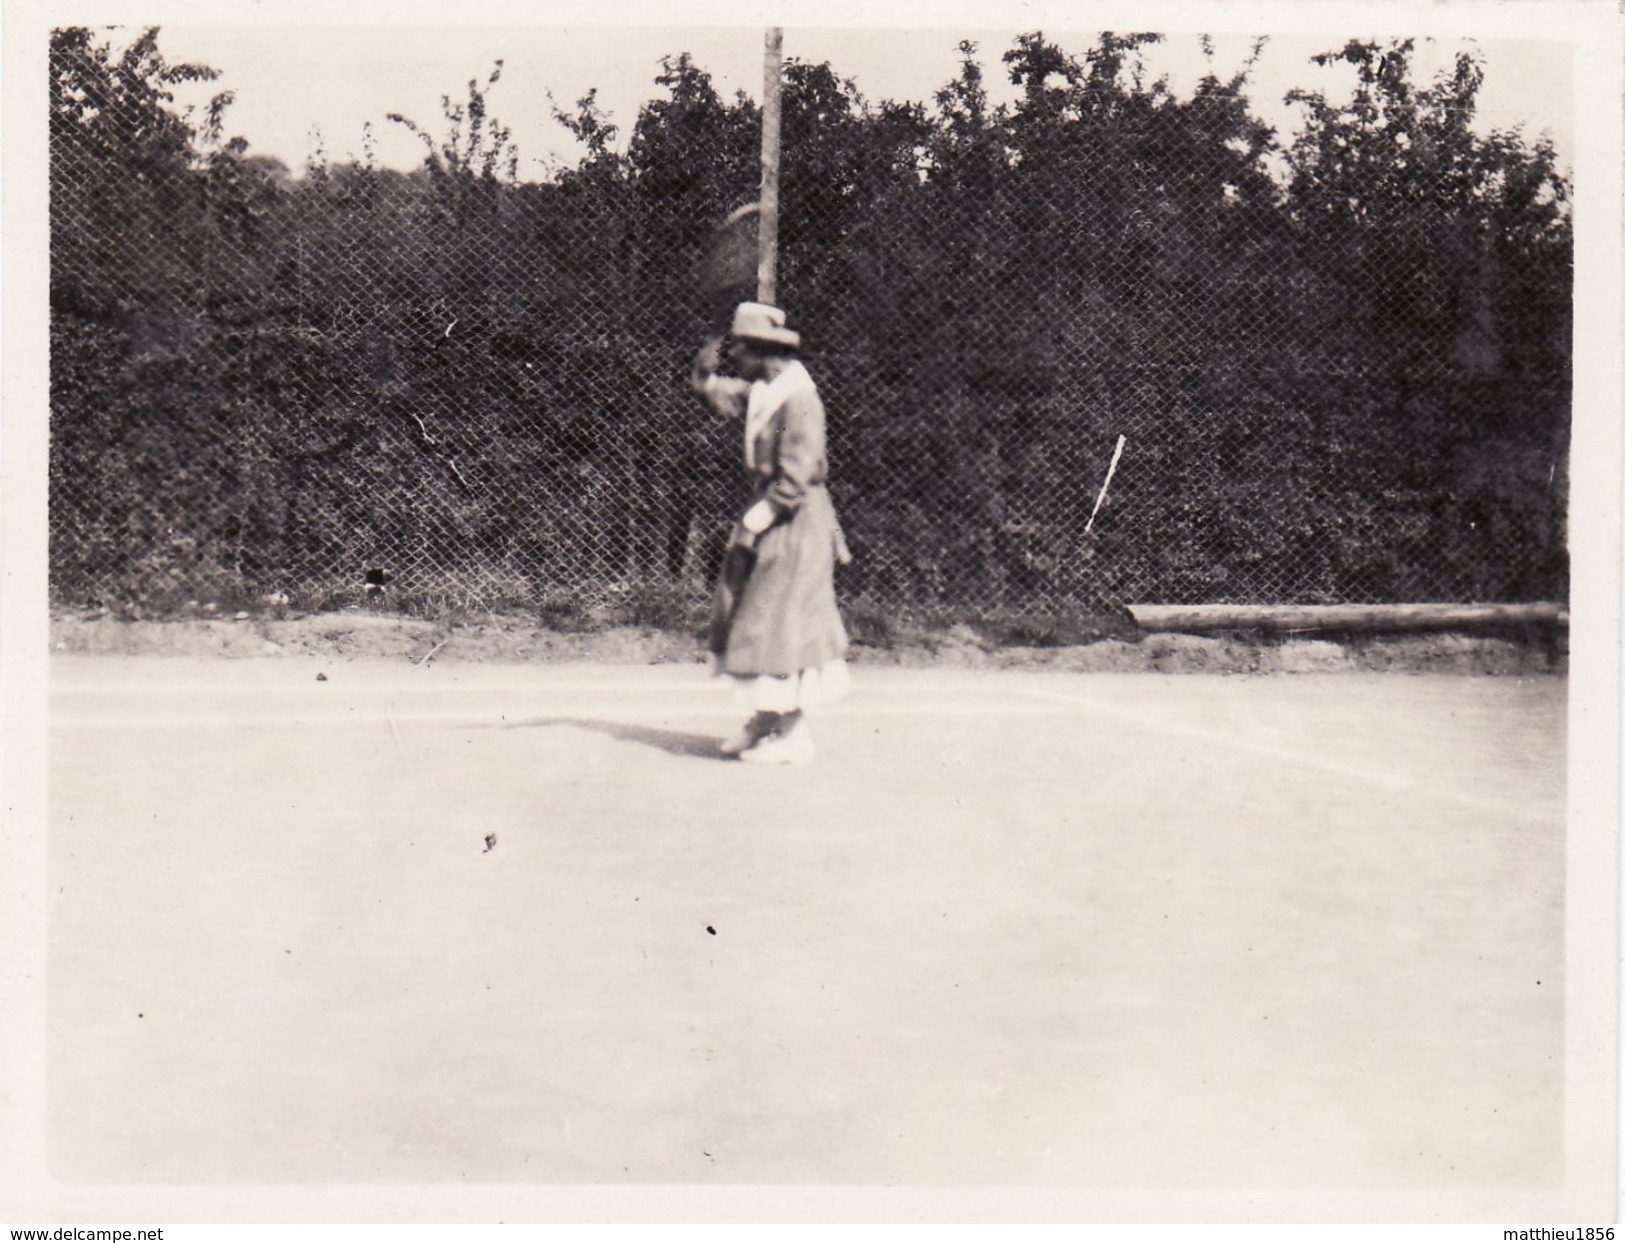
{"points": [[673, 742]]}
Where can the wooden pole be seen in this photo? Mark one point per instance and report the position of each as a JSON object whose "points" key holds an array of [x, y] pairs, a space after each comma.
{"points": [[767, 247]]}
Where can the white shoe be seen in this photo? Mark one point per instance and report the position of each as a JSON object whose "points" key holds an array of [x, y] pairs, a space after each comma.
{"points": [[795, 747]]}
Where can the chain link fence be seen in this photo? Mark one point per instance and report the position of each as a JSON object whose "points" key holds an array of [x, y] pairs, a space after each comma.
{"points": [[1341, 364]]}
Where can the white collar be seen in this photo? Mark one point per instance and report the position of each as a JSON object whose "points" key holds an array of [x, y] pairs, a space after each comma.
{"points": [[766, 396]]}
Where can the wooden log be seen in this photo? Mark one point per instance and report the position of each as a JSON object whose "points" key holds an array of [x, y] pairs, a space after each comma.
{"points": [[1307, 618]]}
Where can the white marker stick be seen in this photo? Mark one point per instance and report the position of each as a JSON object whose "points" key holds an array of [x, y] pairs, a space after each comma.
{"points": [[1117, 454]]}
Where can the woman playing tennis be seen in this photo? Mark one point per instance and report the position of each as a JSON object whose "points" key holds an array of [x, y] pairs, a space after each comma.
{"points": [[774, 626]]}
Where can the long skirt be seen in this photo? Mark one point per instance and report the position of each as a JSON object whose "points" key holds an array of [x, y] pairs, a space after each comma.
{"points": [[774, 622]]}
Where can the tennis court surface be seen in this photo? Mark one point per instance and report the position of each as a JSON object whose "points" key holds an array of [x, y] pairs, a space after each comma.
{"points": [[519, 925]]}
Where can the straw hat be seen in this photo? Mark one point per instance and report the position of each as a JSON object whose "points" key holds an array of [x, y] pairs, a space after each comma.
{"points": [[757, 321]]}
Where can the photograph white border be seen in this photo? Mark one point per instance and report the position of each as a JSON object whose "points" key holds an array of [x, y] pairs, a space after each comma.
{"points": [[29, 1197]]}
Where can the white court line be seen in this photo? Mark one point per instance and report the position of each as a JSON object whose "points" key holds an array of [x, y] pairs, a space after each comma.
{"points": [[536, 701], [861, 686], [539, 715], [1163, 728]]}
